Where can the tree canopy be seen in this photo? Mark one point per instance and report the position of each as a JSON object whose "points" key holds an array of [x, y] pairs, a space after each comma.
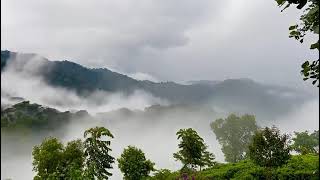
{"points": [[51, 160], [193, 151], [134, 165], [98, 160], [269, 148], [305, 143], [234, 134]]}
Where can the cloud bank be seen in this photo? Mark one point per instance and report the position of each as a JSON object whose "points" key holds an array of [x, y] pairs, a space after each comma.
{"points": [[23, 79], [170, 39]]}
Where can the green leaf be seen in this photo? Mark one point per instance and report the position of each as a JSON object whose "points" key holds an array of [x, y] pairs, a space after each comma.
{"points": [[294, 33], [280, 2], [313, 11], [293, 27], [302, 3], [305, 64], [316, 29], [314, 82], [314, 46]]}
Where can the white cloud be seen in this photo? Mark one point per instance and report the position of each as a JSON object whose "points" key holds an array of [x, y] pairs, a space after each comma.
{"points": [[21, 79], [170, 39], [143, 76]]}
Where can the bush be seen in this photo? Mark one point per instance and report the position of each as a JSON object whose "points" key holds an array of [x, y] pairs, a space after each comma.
{"points": [[298, 167]]}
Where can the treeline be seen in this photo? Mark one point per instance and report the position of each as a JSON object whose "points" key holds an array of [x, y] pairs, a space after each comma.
{"points": [[252, 152]]}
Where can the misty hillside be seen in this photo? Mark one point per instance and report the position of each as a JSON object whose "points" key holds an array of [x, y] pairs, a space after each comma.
{"points": [[234, 95], [36, 117]]}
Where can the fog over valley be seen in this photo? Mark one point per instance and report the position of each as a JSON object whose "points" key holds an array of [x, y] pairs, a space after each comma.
{"points": [[140, 113], [159, 90]]}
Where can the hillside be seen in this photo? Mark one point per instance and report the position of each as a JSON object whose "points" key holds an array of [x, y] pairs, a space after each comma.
{"points": [[235, 95], [36, 117]]}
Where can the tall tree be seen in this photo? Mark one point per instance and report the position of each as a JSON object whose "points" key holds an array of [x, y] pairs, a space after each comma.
{"points": [[51, 160], [47, 158], [98, 160], [73, 160], [134, 165], [193, 151], [269, 148], [309, 24], [305, 143], [234, 134]]}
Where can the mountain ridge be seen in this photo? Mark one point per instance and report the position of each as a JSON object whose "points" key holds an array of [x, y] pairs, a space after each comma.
{"points": [[232, 94]]}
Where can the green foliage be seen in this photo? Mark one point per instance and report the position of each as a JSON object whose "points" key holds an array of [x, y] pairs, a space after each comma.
{"points": [[25, 115], [240, 170], [309, 24], [77, 160], [298, 167], [193, 151], [98, 160], [305, 143], [47, 158], [269, 148], [51, 160], [234, 134], [73, 160], [207, 159], [164, 174], [134, 165]]}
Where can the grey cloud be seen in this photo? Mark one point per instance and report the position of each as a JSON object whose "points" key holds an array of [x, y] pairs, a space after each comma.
{"points": [[171, 40]]}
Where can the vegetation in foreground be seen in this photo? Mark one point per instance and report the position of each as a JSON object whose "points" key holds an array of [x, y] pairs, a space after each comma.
{"points": [[266, 155], [298, 167]]}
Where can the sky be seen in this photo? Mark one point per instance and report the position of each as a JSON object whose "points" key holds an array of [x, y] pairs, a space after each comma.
{"points": [[167, 40]]}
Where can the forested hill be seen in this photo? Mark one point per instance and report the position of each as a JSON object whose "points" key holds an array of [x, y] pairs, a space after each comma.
{"points": [[37, 117], [232, 94]]}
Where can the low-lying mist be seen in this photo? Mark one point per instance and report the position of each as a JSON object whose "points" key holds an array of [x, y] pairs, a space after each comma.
{"points": [[151, 129], [22, 78], [153, 132]]}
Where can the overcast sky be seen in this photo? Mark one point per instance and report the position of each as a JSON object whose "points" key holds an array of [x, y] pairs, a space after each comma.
{"points": [[175, 40]]}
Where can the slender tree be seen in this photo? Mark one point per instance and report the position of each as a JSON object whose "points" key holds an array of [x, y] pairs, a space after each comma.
{"points": [[234, 134], [193, 151], [98, 160]]}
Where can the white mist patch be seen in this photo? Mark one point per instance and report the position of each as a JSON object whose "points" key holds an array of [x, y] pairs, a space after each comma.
{"points": [[23, 79], [305, 118], [143, 76]]}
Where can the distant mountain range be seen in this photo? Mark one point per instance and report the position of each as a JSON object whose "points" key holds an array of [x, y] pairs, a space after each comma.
{"points": [[242, 95]]}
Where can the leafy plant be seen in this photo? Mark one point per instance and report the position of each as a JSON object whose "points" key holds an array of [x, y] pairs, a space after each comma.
{"points": [[309, 23], [134, 165], [193, 151], [234, 134], [305, 143], [269, 148], [98, 160], [51, 160]]}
